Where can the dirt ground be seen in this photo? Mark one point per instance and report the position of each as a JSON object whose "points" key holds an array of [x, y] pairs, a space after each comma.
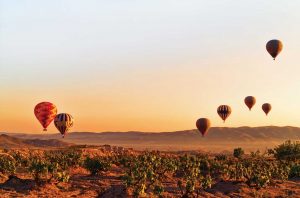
{"points": [[110, 185]]}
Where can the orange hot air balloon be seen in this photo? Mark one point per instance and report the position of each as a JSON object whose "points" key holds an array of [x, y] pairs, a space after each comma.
{"points": [[274, 47], [250, 101], [266, 108], [45, 112], [203, 124], [224, 111]]}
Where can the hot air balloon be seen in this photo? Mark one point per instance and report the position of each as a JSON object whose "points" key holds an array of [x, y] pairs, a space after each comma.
{"points": [[63, 122], [274, 47], [45, 112], [250, 101], [224, 111], [203, 124], [266, 108]]}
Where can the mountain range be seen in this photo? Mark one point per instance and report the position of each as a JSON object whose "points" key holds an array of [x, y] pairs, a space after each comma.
{"points": [[9, 142], [217, 139]]}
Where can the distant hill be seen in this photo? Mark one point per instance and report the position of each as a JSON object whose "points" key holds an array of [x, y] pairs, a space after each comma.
{"points": [[7, 141], [218, 138]]}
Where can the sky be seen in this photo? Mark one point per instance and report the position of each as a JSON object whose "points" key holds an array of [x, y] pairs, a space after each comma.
{"points": [[159, 65]]}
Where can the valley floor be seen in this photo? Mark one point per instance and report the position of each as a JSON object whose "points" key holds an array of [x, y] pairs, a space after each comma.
{"points": [[110, 185]]}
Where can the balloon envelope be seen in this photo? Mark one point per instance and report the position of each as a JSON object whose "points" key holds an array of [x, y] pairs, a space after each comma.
{"points": [[45, 112], [224, 111], [63, 122], [250, 101], [266, 108], [274, 47], [203, 124]]}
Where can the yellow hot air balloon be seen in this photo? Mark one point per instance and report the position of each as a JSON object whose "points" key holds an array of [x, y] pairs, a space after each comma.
{"points": [[274, 47], [203, 124], [63, 122], [224, 111], [250, 102]]}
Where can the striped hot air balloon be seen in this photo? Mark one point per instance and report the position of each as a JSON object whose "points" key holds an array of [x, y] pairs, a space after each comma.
{"points": [[224, 111], [63, 122], [45, 112]]}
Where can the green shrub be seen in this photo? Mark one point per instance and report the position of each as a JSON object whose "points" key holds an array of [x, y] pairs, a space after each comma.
{"points": [[7, 164], [295, 171], [238, 152], [65, 158], [221, 157], [287, 151], [97, 164], [206, 182], [255, 154], [62, 176], [38, 167], [44, 170]]}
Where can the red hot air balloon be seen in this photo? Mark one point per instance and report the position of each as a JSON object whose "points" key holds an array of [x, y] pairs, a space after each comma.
{"points": [[250, 102], [203, 124], [274, 47], [45, 112], [266, 108]]}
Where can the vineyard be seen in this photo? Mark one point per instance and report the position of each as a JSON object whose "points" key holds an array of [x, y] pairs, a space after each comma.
{"points": [[81, 172]]}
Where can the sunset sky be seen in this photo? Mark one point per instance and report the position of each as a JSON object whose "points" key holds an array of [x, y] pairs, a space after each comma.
{"points": [[155, 65]]}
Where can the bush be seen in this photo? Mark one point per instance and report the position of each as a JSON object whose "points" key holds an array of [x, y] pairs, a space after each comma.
{"points": [[65, 158], [97, 165], [295, 171], [144, 173], [38, 167], [221, 157], [255, 154], [21, 158], [287, 151], [62, 176], [7, 164], [238, 152]]}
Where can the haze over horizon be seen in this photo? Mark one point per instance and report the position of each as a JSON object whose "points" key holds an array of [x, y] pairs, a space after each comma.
{"points": [[147, 66], [139, 131]]}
